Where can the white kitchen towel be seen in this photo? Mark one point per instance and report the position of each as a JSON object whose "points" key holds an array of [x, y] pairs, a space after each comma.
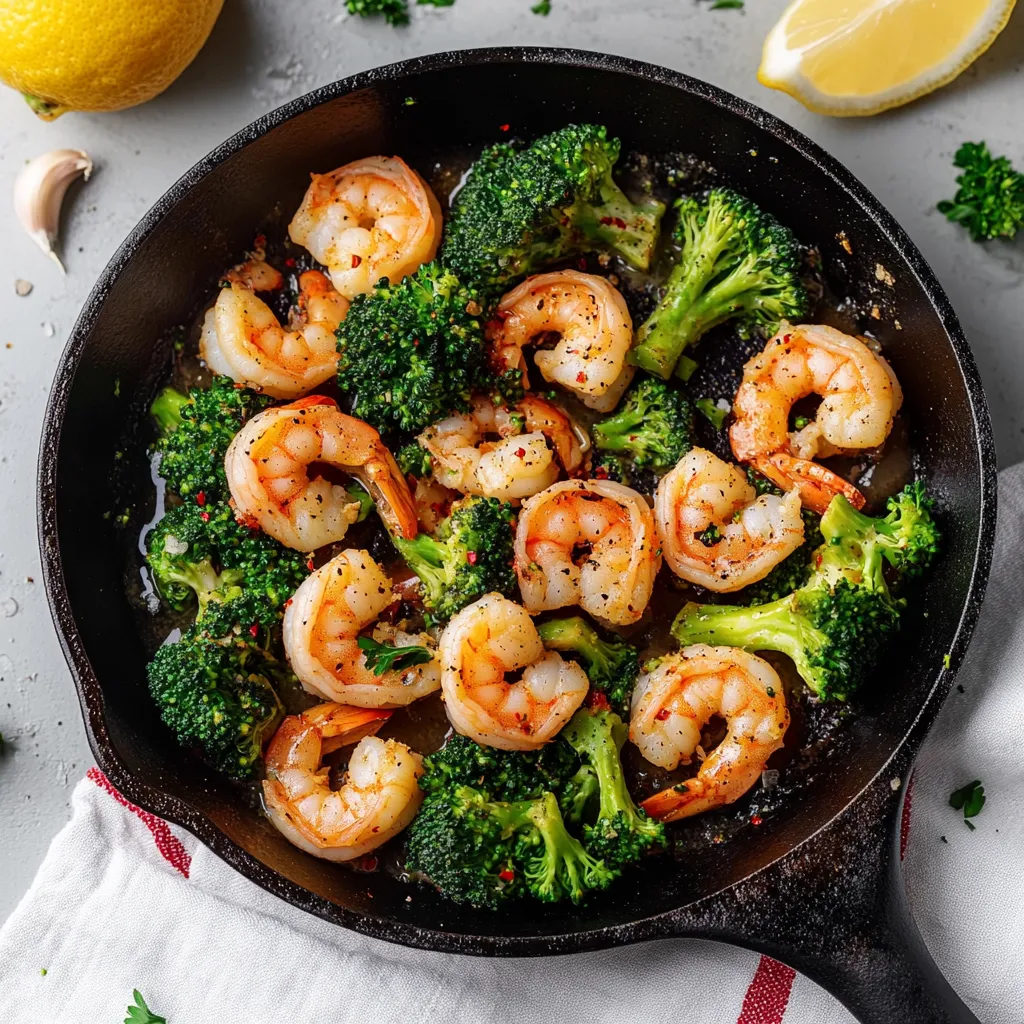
{"points": [[125, 901]]}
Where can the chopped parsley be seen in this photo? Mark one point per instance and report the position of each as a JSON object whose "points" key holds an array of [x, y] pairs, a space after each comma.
{"points": [[382, 658]]}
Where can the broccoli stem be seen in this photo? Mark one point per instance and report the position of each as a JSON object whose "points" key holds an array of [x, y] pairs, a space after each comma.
{"points": [[564, 865], [613, 433], [627, 228], [166, 409], [777, 626], [425, 556]]}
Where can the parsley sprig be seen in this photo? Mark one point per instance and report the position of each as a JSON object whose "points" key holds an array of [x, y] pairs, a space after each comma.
{"points": [[382, 658], [990, 199], [140, 1013], [970, 799]]}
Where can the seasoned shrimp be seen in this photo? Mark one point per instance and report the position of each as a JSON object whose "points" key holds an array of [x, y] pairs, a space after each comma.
{"points": [[268, 469], [591, 321], [589, 543], [715, 531], [482, 644], [370, 219], [673, 702], [378, 798], [518, 464], [243, 339], [860, 397], [322, 623]]}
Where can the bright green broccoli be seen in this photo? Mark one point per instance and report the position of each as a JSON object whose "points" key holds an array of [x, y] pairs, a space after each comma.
{"points": [[521, 209], [216, 694], [203, 549], [608, 466], [491, 827], [837, 626], [470, 556], [622, 833], [736, 263], [653, 426], [196, 432], [612, 666], [415, 459], [414, 351], [990, 199], [184, 562]]}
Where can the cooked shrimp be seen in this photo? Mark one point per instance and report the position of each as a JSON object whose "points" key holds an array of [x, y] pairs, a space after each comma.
{"points": [[433, 502], [679, 696], [860, 397], [715, 531], [322, 623], [380, 794], [591, 321], [518, 464], [589, 543], [482, 644], [243, 339], [816, 484], [370, 219], [268, 470]]}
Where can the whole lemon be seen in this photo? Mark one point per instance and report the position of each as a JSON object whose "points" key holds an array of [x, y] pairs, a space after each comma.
{"points": [[98, 54]]}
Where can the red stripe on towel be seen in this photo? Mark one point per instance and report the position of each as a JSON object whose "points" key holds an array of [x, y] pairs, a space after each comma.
{"points": [[170, 846], [768, 996], [905, 818]]}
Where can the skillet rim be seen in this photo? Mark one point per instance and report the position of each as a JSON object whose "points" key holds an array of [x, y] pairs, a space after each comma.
{"points": [[176, 809]]}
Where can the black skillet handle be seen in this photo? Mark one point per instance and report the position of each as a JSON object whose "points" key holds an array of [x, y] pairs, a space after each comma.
{"points": [[836, 910]]}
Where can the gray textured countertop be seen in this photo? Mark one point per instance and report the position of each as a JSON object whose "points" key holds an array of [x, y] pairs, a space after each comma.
{"points": [[263, 53]]}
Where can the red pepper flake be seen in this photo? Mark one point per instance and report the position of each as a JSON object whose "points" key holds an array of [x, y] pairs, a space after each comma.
{"points": [[661, 715], [471, 557], [819, 560], [756, 819], [601, 473], [504, 127], [290, 262], [617, 221], [581, 378], [506, 874], [205, 516], [581, 263], [520, 453], [288, 603], [260, 242], [368, 862], [254, 630], [786, 338], [201, 498], [356, 260], [719, 838], [309, 565], [597, 701]]}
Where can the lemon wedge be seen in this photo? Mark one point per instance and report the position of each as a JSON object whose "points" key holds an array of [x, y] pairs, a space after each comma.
{"points": [[852, 58]]}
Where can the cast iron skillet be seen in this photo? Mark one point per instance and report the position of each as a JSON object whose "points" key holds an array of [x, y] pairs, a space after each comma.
{"points": [[818, 885]]}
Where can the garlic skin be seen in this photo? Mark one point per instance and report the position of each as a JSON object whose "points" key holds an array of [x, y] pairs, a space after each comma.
{"points": [[39, 192]]}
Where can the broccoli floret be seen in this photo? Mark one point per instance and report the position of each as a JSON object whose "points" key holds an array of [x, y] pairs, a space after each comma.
{"points": [[736, 263], [196, 432], [622, 833], [837, 626], [857, 545], [990, 199], [166, 409], [414, 351], [470, 556], [216, 694], [203, 549], [184, 563], [612, 666], [493, 824], [521, 209], [606, 466], [653, 426], [415, 459]]}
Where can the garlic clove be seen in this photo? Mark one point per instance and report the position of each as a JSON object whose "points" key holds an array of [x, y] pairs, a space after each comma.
{"points": [[39, 192]]}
